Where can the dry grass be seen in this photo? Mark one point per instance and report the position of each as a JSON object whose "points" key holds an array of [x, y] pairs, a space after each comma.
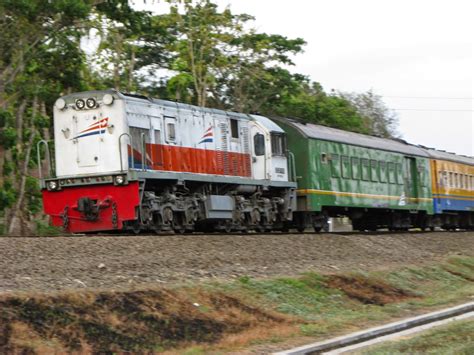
{"points": [[147, 320]]}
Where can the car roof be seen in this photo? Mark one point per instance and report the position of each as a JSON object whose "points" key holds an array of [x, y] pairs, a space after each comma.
{"points": [[315, 131]]}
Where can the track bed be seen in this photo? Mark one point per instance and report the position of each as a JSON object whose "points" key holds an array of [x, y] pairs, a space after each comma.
{"points": [[61, 263]]}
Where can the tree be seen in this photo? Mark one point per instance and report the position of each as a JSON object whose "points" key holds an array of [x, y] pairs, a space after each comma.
{"points": [[31, 69], [311, 103], [203, 33], [130, 41], [378, 119]]}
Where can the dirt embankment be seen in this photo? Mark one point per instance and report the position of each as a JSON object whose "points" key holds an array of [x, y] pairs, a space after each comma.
{"points": [[225, 317], [63, 263]]}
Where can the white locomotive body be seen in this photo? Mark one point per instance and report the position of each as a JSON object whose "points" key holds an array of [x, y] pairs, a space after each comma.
{"points": [[127, 161]]}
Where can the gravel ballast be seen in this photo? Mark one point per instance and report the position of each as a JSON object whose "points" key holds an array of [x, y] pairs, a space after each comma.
{"points": [[64, 263]]}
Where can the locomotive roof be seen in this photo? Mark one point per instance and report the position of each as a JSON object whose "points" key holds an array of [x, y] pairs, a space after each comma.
{"points": [[266, 122], [315, 131]]}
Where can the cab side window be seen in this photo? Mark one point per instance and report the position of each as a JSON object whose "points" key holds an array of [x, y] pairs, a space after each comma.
{"points": [[171, 132], [136, 134], [234, 128], [259, 144], [278, 144]]}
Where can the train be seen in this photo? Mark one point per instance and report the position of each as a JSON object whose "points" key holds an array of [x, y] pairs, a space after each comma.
{"points": [[126, 162]]}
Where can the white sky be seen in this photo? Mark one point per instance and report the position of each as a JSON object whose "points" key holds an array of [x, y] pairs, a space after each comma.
{"points": [[418, 54]]}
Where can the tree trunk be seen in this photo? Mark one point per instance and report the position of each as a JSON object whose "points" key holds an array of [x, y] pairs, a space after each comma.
{"points": [[17, 210], [131, 67]]}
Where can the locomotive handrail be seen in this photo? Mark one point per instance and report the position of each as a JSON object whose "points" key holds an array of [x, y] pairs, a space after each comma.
{"points": [[143, 150], [38, 157], [292, 165], [120, 149]]}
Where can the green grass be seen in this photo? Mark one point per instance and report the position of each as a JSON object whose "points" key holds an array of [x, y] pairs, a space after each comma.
{"points": [[456, 338], [237, 314], [325, 311], [43, 229]]}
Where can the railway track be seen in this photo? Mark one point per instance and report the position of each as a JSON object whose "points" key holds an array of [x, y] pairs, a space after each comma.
{"points": [[371, 336], [132, 235]]}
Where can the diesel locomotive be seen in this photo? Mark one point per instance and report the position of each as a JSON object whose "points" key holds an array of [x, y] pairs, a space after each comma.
{"points": [[129, 162]]}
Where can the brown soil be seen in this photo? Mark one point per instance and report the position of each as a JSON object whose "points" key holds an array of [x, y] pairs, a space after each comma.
{"points": [[368, 291], [63, 263]]}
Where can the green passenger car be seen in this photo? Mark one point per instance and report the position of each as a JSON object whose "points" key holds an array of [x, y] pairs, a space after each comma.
{"points": [[377, 182]]}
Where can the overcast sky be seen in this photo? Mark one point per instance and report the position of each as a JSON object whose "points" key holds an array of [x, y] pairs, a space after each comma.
{"points": [[418, 54]]}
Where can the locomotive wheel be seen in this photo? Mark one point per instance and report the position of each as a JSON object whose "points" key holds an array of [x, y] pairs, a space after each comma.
{"points": [[157, 225], [179, 221], [136, 228], [228, 226]]}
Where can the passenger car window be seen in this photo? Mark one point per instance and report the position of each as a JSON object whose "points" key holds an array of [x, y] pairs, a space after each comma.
{"points": [[399, 174], [391, 173], [355, 168], [382, 171], [335, 165], [373, 170], [422, 175], [346, 167], [365, 169]]}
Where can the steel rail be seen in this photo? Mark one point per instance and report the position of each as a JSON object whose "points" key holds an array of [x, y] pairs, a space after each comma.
{"points": [[130, 234], [381, 331]]}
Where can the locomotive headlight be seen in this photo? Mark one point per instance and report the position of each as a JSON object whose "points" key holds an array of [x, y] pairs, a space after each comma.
{"points": [[90, 102], [108, 99], [80, 104], [119, 179], [52, 185], [60, 104]]}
